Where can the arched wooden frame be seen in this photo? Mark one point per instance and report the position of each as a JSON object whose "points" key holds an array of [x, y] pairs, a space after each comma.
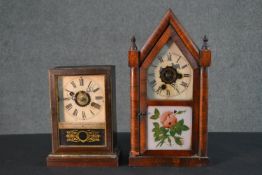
{"points": [[168, 34]]}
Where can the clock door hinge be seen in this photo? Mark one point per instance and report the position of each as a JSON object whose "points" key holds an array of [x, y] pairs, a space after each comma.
{"points": [[141, 114]]}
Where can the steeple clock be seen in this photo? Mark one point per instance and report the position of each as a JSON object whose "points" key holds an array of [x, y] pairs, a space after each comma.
{"points": [[169, 98]]}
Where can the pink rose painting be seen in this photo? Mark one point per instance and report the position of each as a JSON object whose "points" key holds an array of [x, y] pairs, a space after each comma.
{"points": [[168, 119], [169, 128]]}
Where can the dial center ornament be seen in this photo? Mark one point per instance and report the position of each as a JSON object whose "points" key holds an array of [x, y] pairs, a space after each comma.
{"points": [[169, 75], [82, 98]]}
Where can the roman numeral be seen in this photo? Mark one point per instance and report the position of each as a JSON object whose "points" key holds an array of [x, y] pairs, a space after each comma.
{"points": [[73, 84], [175, 87], [184, 66], [99, 97], [177, 90], [95, 105], [186, 75], [90, 84], [83, 115], [89, 87], [81, 81], [178, 59], [69, 106], [95, 89], [161, 59], [153, 83], [159, 90], [184, 84], [169, 57], [75, 112], [167, 92], [92, 112]]}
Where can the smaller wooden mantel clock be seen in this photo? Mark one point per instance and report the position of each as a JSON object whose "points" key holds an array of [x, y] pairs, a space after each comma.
{"points": [[169, 96], [83, 116]]}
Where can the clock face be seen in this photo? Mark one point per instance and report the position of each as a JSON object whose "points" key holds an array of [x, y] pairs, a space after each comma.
{"points": [[170, 76], [83, 99]]}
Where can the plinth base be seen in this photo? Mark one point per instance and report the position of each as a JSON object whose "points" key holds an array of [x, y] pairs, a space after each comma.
{"points": [[149, 161], [108, 160]]}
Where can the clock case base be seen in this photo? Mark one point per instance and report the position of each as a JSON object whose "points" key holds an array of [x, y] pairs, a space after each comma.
{"points": [[150, 161], [95, 160]]}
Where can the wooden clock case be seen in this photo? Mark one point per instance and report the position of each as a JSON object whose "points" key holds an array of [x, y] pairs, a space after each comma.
{"points": [[64, 155], [169, 28]]}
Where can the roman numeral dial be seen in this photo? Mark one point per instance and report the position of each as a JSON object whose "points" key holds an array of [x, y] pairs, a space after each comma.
{"points": [[170, 76], [83, 97]]}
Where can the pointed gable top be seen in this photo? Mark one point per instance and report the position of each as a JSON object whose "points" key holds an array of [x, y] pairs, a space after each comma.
{"points": [[169, 19]]}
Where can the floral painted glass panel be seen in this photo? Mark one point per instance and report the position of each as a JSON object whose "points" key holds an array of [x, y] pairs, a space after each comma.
{"points": [[170, 76], [169, 128]]}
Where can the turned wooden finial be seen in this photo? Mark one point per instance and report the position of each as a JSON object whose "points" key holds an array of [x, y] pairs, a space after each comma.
{"points": [[133, 43], [205, 53], [205, 40]]}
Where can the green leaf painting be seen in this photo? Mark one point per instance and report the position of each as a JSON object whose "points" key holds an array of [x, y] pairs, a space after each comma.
{"points": [[169, 128], [156, 114], [180, 112]]}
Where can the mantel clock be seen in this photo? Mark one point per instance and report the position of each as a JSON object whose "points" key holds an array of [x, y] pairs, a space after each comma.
{"points": [[169, 96], [83, 116]]}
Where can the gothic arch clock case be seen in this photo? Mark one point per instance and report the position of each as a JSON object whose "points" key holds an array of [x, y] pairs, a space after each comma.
{"points": [[169, 98]]}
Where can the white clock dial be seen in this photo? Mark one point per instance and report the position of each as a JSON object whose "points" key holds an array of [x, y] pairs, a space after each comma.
{"points": [[170, 76], [84, 98]]}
